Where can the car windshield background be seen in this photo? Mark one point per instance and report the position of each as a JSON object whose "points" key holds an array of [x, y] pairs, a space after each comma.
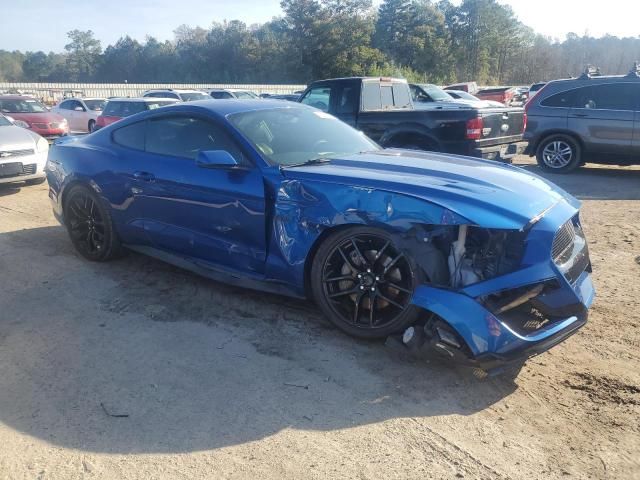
{"points": [[95, 105], [158, 104], [318, 97], [245, 95], [192, 96], [290, 136], [221, 95], [437, 94], [113, 109], [19, 105]]}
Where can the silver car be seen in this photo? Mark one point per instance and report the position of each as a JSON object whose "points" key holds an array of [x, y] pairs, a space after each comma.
{"points": [[23, 154]]}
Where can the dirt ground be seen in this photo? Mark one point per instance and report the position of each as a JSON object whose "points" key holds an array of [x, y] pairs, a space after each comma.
{"points": [[136, 369]]}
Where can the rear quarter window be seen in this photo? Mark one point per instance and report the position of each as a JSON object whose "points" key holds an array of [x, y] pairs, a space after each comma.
{"points": [[371, 96], [564, 99], [112, 109], [132, 136]]}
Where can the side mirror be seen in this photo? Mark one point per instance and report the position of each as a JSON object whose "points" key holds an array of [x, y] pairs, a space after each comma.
{"points": [[215, 159], [79, 109]]}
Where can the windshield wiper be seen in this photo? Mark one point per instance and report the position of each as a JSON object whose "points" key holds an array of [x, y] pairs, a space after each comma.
{"points": [[313, 161]]}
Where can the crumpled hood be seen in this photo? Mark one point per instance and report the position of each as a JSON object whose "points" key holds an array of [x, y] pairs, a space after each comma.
{"points": [[486, 193]]}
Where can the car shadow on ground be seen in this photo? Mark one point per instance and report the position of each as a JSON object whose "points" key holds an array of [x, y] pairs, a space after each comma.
{"points": [[595, 182], [10, 189], [136, 356]]}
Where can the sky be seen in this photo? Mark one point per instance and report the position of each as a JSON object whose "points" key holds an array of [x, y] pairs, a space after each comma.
{"points": [[30, 25]]}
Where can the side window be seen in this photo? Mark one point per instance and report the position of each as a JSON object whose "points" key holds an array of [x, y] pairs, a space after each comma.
{"points": [[318, 97], [184, 137], [221, 95], [75, 104], [348, 100], [607, 97], [560, 100], [131, 108], [401, 95], [371, 96], [66, 105], [131, 136]]}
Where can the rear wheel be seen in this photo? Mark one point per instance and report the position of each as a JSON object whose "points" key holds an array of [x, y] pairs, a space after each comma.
{"points": [[92, 125], [559, 154], [89, 225], [364, 283]]}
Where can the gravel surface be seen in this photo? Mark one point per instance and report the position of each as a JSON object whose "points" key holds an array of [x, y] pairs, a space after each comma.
{"points": [[136, 369]]}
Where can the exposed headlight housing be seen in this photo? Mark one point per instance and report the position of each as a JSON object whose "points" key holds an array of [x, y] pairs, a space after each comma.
{"points": [[42, 145], [21, 123]]}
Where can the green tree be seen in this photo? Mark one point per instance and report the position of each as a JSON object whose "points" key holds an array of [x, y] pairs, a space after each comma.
{"points": [[83, 55]]}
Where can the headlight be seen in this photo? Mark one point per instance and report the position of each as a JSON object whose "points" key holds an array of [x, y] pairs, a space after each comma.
{"points": [[42, 145], [21, 123]]}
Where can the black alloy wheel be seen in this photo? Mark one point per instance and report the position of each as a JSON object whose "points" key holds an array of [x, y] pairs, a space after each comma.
{"points": [[364, 283], [89, 225]]}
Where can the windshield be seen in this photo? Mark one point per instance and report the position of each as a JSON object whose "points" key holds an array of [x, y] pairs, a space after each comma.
{"points": [[4, 122], [463, 95], [287, 136], [245, 95], [436, 93], [21, 105], [95, 105], [192, 96], [158, 104]]}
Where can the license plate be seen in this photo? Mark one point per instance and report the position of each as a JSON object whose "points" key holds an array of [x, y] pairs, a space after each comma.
{"points": [[10, 169]]}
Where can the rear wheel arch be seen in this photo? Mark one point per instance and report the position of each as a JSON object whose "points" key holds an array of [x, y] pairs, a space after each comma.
{"points": [[410, 139]]}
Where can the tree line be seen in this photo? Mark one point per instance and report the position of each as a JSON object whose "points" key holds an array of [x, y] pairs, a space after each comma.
{"points": [[421, 40]]}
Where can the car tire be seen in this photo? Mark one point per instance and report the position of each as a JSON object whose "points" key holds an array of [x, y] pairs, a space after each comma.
{"points": [[92, 126], [559, 154], [36, 181], [90, 225], [363, 283]]}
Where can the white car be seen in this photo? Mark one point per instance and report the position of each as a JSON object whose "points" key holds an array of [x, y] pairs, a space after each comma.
{"points": [[182, 95], [23, 154], [221, 93], [81, 113]]}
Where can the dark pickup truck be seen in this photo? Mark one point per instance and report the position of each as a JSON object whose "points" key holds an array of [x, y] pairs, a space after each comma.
{"points": [[383, 110]]}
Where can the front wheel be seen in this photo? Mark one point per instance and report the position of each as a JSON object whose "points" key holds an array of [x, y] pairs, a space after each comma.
{"points": [[90, 226], [363, 283], [559, 154]]}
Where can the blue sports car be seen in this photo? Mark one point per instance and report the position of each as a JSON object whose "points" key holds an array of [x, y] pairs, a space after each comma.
{"points": [[487, 261]]}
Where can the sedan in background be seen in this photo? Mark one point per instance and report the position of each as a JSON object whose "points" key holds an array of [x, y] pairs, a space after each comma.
{"points": [[462, 95], [27, 112], [118, 108], [23, 154], [80, 113], [180, 95], [486, 259], [224, 93]]}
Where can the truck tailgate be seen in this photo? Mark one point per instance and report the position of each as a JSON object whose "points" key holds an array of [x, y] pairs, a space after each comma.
{"points": [[501, 125]]}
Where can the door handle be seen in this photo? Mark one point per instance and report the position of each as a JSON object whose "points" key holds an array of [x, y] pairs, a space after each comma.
{"points": [[144, 176]]}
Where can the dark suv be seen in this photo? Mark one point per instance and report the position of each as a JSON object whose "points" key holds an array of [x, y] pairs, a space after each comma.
{"points": [[587, 119]]}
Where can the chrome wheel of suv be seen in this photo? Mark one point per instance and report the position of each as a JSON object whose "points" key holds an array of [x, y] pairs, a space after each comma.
{"points": [[558, 154]]}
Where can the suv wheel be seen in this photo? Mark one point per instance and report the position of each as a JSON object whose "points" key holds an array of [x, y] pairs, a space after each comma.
{"points": [[559, 154]]}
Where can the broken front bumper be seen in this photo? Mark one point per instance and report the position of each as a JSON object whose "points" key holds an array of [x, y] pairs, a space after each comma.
{"points": [[559, 275]]}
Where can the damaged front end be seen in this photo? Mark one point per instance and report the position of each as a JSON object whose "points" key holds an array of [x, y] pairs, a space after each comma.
{"points": [[498, 297]]}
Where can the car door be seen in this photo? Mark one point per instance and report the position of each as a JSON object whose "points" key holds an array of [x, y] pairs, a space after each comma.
{"points": [[65, 110], [603, 116], [635, 146], [214, 215]]}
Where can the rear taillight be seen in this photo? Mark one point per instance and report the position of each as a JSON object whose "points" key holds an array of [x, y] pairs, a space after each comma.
{"points": [[474, 128], [524, 122]]}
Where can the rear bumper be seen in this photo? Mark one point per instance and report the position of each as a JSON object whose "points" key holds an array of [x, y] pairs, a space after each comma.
{"points": [[501, 153]]}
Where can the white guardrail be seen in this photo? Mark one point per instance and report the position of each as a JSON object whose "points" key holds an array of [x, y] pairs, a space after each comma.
{"points": [[54, 92]]}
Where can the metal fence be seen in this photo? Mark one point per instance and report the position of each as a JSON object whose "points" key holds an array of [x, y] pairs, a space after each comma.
{"points": [[54, 92]]}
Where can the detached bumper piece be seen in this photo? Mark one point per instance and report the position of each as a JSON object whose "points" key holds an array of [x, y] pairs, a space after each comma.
{"points": [[500, 153]]}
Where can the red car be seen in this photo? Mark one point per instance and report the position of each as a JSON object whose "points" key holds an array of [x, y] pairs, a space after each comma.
{"points": [[118, 108], [29, 113], [504, 95]]}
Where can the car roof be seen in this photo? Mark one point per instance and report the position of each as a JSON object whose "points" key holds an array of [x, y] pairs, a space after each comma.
{"points": [[141, 99], [17, 97], [174, 90], [226, 107]]}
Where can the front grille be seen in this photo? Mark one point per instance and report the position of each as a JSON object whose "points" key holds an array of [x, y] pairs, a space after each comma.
{"points": [[5, 154], [42, 126], [563, 243], [29, 169]]}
